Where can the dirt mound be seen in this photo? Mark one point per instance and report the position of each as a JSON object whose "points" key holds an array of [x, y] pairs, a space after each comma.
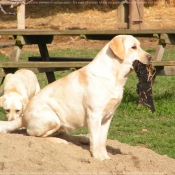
{"points": [[22, 154]]}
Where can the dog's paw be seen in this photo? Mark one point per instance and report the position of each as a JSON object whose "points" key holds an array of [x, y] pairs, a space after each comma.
{"points": [[3, 129], [101, 156]]}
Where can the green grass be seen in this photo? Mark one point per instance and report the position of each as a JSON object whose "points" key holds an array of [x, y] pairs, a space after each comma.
{"points": [[129, 120]]}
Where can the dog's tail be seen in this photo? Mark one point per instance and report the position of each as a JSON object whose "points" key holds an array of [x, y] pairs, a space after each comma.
{"points": [[9, 126]]}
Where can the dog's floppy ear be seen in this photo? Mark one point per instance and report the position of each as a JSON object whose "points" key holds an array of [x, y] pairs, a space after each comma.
{"points": [[116, 45], [24, 102]]}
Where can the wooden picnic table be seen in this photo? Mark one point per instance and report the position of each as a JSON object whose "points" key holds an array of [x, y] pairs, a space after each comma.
{"points": [[48, 64]]}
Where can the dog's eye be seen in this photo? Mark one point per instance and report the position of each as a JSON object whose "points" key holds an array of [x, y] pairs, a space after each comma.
{"points": [[134, 47], [17, 111], [7, 111]]}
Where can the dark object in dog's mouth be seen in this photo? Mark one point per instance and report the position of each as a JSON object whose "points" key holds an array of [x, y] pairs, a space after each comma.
{"points": [[145, 73]]}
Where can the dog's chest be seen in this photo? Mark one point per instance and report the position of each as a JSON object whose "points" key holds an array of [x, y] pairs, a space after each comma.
{"points": [[115, 97], [111, 107]]}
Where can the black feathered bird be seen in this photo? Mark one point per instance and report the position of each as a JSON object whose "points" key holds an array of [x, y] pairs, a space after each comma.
{"points": [[145, 73]]}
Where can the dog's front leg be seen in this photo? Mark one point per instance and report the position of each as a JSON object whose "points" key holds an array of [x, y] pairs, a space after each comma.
{"points": [[94, 126], [103, 137]]}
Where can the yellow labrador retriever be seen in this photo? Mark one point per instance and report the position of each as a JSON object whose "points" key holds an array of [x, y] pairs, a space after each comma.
{"points": [[87, 97], [16, 90]]}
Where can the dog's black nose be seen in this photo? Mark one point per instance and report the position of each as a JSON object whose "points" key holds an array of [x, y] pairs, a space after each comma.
{"points": [[149, 57]]}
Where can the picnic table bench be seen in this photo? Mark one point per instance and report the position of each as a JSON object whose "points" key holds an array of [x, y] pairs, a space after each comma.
{"points": [[48, 64]]}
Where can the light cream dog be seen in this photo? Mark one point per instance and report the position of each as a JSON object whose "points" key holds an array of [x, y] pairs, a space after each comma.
{"points": [[87, 97], [17, 89]]}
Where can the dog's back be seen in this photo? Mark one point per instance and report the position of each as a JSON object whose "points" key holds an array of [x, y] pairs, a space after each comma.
{"points": [[29, 81]]}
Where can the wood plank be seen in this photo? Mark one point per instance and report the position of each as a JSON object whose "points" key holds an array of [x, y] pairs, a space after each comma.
{"points": [[53, 64], [163, 63], [61, 64], [167, 39], [69, 59], [16, 52], [41, 67], [158, 63], [21, 16], [42, 64], [159, 52], [167, 71], [89, 34], [5, 71], [122, 15], [136, 14], [111, 36], [7, 44], [84, 32]]}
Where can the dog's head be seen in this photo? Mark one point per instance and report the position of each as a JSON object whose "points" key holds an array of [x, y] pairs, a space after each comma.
{"points": [[13, 105], [127, 48]]}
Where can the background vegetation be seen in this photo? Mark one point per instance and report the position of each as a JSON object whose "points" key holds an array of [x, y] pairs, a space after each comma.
{"points": [[129, 120], [80, 5]]}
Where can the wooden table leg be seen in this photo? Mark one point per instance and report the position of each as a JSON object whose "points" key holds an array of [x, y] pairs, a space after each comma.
{"points": [[159, 51], [45, 57], [16, 53], [13, 57]]}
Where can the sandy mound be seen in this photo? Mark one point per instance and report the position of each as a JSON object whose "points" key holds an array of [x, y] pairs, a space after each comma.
{"points": [[22, 154]]}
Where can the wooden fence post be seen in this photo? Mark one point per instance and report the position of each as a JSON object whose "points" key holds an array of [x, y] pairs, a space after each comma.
{"points": [[21, 25], [136, 14], [21, 16], [123, 15], [130, 14]]}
